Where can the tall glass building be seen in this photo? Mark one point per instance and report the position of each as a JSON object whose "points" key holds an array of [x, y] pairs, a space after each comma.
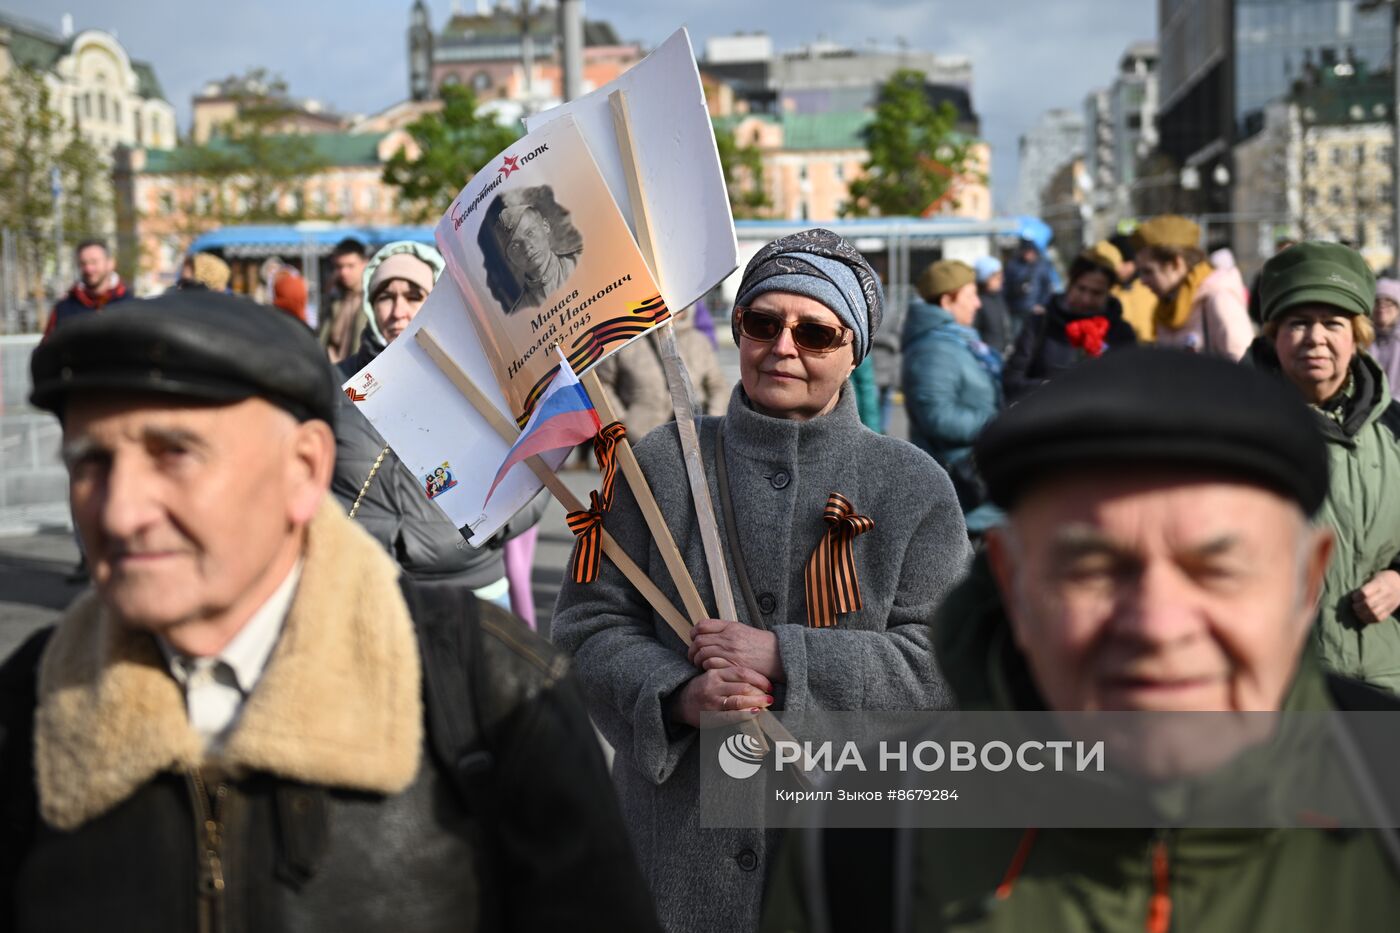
{"points": [[1276, 40], [1224, 61]]}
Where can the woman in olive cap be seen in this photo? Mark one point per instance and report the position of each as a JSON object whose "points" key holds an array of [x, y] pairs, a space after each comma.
{"points": [[1316, 300], [1199, 307]]}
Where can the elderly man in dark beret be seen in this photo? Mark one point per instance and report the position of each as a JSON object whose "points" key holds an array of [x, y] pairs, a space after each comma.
{"points": [[250, 723], [1160, 554]]}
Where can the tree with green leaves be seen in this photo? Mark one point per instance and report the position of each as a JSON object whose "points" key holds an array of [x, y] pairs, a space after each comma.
{"points": [[916, 152], [29, 129], [252, 164], [743, 175], [87, 188], [34, 141], [453, 144]]}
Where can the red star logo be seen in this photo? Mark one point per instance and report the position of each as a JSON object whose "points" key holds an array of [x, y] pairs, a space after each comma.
{"points": [[510, 164]]}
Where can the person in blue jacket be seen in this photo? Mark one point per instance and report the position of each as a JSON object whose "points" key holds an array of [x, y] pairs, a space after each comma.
{"points": [[1031, 281], [952, 380]]}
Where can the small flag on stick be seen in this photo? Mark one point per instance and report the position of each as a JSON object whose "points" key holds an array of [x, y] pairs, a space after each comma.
{"points": [[563, 418]]}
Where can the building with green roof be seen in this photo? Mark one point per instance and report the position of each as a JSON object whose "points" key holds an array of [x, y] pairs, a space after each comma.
{"points": [[166, 198]]}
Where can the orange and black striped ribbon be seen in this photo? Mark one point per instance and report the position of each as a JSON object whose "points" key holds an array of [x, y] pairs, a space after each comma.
{"points": [[830, 577], [605, 449], [587, 524]]}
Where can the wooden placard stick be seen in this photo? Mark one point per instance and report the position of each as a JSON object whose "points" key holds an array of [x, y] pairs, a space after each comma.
{"points": [[666, 544], [635, 574], [508, 432], [690, 442], [682, 402], [656, 522]]}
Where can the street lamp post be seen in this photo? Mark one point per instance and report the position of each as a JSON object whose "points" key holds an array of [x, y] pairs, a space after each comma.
{"points": [[527, 55], [571, 46], [56, 189]]}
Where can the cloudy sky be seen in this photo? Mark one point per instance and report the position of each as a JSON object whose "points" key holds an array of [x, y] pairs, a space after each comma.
{"points": [[1028, 55]]}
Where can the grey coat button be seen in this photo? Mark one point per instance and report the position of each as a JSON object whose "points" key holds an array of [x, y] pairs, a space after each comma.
{"points": [[767, 603], [780, 479], [748, 861]]}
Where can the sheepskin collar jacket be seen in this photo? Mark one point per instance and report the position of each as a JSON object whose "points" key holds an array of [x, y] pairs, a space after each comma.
{"points": [[339, 801]]}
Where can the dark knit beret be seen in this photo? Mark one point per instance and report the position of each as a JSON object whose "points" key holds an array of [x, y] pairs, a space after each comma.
{"points": [[189, 344], [1158, 407]]}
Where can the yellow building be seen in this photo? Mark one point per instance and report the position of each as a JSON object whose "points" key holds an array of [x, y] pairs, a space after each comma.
{"points": [[221, 103], [810, 160]]}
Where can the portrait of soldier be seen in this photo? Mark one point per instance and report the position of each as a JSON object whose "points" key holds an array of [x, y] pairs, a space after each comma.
{"points": [[530, 247]]}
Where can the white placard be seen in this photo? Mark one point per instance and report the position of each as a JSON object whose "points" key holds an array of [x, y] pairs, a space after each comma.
{"points": [[682, 182], [432, 427]]}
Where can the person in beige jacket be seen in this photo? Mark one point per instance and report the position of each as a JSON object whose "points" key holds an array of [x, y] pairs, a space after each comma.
{"points": [[636, 381], [1199, 308]]}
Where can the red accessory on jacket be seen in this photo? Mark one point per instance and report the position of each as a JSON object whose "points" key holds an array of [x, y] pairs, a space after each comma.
{"points": [[113, 289], [1088, 334]]}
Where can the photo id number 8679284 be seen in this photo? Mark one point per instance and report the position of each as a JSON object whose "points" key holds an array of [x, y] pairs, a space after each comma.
{"points": [[922, 795]]}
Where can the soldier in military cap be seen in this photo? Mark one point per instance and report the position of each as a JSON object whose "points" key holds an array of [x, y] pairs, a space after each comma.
{"points": [[251, 723]]}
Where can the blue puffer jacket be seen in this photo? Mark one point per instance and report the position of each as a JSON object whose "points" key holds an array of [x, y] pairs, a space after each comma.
{"points": [[948, 395]]}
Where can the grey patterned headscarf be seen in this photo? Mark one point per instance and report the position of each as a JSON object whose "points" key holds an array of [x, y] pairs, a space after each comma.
{"points": [[822, 266]]}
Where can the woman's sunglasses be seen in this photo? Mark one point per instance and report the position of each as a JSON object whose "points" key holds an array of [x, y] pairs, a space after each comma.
{"points": [[811, 336]]}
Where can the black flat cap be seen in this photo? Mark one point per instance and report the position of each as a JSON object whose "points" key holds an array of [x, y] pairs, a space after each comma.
{"points": [[190, 344], [1155, 406]]}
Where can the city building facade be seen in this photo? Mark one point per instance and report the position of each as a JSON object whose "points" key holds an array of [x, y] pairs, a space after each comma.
{"points": [[104, 95], [1055, 141], [487, 50], [162, 207], [807, 111], [810, 160], [1120, 132], [1224, 61], [1319, 167], [221, 103]]}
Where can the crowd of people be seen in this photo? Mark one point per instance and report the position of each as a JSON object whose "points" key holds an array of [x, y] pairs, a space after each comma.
{"points": [[294, 699]]}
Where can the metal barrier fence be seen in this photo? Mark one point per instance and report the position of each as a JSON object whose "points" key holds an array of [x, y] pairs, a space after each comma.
{"points": [[33, 482]]}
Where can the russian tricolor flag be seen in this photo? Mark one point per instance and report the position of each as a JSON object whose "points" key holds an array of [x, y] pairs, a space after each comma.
{"points": [[563, 418]]}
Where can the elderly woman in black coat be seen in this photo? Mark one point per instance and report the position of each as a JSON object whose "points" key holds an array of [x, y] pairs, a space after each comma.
{"points": [[789, 451]]}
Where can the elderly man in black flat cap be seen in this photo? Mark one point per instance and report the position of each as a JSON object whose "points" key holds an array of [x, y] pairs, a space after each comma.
{"points": [[1160, 555], [251, 723]]}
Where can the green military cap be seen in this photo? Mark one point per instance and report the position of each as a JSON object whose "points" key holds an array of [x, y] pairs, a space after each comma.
{"points": [[1317, 273], [944, 276]]}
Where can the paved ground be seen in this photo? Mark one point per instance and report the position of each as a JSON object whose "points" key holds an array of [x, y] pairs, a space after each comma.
{"points": [[33, 586], [34, 568]]}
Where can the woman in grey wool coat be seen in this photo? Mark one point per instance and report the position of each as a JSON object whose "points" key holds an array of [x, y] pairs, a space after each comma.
{"points": [[808, 306]]}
